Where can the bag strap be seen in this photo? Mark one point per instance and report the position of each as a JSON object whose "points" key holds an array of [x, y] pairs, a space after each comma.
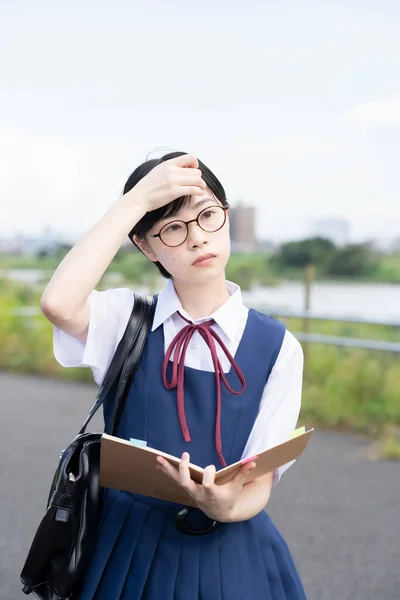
{"points": [[126, 359]]}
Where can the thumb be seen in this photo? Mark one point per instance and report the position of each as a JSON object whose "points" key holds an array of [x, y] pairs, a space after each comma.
{"points": [[187, 160]]}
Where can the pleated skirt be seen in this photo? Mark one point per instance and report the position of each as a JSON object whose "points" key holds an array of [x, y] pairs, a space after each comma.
{"points": [[140, 555]]}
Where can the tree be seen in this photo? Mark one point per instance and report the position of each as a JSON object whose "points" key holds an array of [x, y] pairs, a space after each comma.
{"points": [[316, 250], [355, 259]]}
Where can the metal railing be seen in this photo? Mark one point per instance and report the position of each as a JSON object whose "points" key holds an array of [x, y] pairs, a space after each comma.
{"points": [[332, 340], [302, 336]]}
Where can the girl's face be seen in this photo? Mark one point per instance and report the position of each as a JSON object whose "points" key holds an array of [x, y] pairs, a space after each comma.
{"points": [[182, 261]]}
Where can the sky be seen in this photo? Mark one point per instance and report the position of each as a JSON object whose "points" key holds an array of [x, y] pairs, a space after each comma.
{"points": [[294, 105]]}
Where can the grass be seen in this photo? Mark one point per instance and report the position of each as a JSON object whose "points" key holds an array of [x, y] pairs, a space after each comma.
{"points": [[390, 448], [351, 388]]}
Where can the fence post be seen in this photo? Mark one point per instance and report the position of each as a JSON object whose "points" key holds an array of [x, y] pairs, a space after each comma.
{"points": [[309, 275]]}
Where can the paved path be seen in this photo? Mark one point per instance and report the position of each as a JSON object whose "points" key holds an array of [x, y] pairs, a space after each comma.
{"points": [[338, 509]]}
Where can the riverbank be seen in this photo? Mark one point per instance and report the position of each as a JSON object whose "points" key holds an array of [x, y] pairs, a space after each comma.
{"points": [[246, 269]]}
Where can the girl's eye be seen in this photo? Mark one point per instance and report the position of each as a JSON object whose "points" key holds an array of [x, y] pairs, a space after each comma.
{"points": [[173, 227], [208, 213]]}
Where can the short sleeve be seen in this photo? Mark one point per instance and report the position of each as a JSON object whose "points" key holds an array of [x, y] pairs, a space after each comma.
{"points": [[109, 314], [280, 403]]}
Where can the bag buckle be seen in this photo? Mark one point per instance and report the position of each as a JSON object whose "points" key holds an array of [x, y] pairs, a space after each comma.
{"points": [[27, 590], [182, 525]]}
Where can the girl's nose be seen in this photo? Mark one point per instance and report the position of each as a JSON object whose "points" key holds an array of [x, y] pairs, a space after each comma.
{"points": [[196, 235]]}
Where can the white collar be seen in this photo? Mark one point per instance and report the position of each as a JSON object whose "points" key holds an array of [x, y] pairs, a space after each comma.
{"points": [[226, 316]]}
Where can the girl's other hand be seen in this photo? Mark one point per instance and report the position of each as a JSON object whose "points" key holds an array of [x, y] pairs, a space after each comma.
{"points": [[167, 181], [216, 501]]}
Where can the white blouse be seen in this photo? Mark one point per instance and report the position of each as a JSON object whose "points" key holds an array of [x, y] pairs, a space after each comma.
{"points": [[109, 314]]}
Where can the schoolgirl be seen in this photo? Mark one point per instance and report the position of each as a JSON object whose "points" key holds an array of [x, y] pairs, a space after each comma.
{"points": [[217, 383]]}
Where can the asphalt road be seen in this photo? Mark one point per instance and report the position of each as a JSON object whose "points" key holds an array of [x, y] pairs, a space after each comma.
{"points": [[338, 507]]}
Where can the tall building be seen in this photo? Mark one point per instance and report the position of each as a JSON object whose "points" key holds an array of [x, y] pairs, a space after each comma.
{"points": [[242, 228]]}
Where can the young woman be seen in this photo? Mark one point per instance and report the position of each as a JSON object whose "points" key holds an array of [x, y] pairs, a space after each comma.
{"points": [[217, 383]]}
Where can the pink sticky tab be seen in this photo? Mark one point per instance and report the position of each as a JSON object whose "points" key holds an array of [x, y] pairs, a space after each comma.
{"points": [[247, 460]]}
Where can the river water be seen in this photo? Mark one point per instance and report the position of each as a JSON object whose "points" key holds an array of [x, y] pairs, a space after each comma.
{"points": [[377, 301], [366, 300]]}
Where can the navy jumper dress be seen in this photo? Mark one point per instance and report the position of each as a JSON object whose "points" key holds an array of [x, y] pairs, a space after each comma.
{"points": [[140, 554]]}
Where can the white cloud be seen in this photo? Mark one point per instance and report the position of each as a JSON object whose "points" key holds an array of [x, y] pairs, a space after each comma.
{"points": [[290, 147], [383, 112], [40, 180]]}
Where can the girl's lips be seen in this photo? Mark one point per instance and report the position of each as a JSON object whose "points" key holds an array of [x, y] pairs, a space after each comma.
{"points": [[203, 259]]}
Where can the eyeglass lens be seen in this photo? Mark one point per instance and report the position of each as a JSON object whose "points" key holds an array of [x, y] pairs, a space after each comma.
{"points": [[210, 219]]}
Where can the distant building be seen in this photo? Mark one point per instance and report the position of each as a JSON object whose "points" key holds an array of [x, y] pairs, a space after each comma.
{"points": [[395, 245], [242, 228], [21, 245], [336, 230]]}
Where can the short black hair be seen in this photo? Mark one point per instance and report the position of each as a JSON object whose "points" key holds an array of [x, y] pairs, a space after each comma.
{"points": [[171, 209]]}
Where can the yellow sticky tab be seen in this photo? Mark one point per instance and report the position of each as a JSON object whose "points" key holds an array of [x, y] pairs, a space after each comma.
{"points": [[297, 432]]}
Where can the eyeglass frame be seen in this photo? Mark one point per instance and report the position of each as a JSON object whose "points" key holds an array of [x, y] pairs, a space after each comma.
{"points": [[187, 223]]}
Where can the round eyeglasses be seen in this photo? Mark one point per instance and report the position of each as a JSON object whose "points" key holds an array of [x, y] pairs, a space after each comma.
{"points": [[210, 219]]}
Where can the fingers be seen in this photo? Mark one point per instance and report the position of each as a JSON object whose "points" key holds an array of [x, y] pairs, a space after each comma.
{"points": [[168, 469], [191, 181], [196, 181], [189, 190], [192, 177], [241, 476], [209, 477], [191, 173], [187, 160], [188, 176], [181, 475], [184, 472]]}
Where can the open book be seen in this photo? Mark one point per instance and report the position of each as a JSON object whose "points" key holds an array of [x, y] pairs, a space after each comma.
{"points": [[132, 468]]}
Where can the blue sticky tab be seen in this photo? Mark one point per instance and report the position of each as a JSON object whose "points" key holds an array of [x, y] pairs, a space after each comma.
{"points": [[140, 443]]}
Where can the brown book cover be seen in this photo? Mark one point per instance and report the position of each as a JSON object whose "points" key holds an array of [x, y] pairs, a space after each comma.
{"points": [[131, 468]]}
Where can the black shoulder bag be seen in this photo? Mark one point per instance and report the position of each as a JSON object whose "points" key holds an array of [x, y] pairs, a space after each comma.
{"points": [[62, 546]]}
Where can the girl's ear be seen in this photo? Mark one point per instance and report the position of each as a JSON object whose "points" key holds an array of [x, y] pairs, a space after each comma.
{"points": [[144, 247]]}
